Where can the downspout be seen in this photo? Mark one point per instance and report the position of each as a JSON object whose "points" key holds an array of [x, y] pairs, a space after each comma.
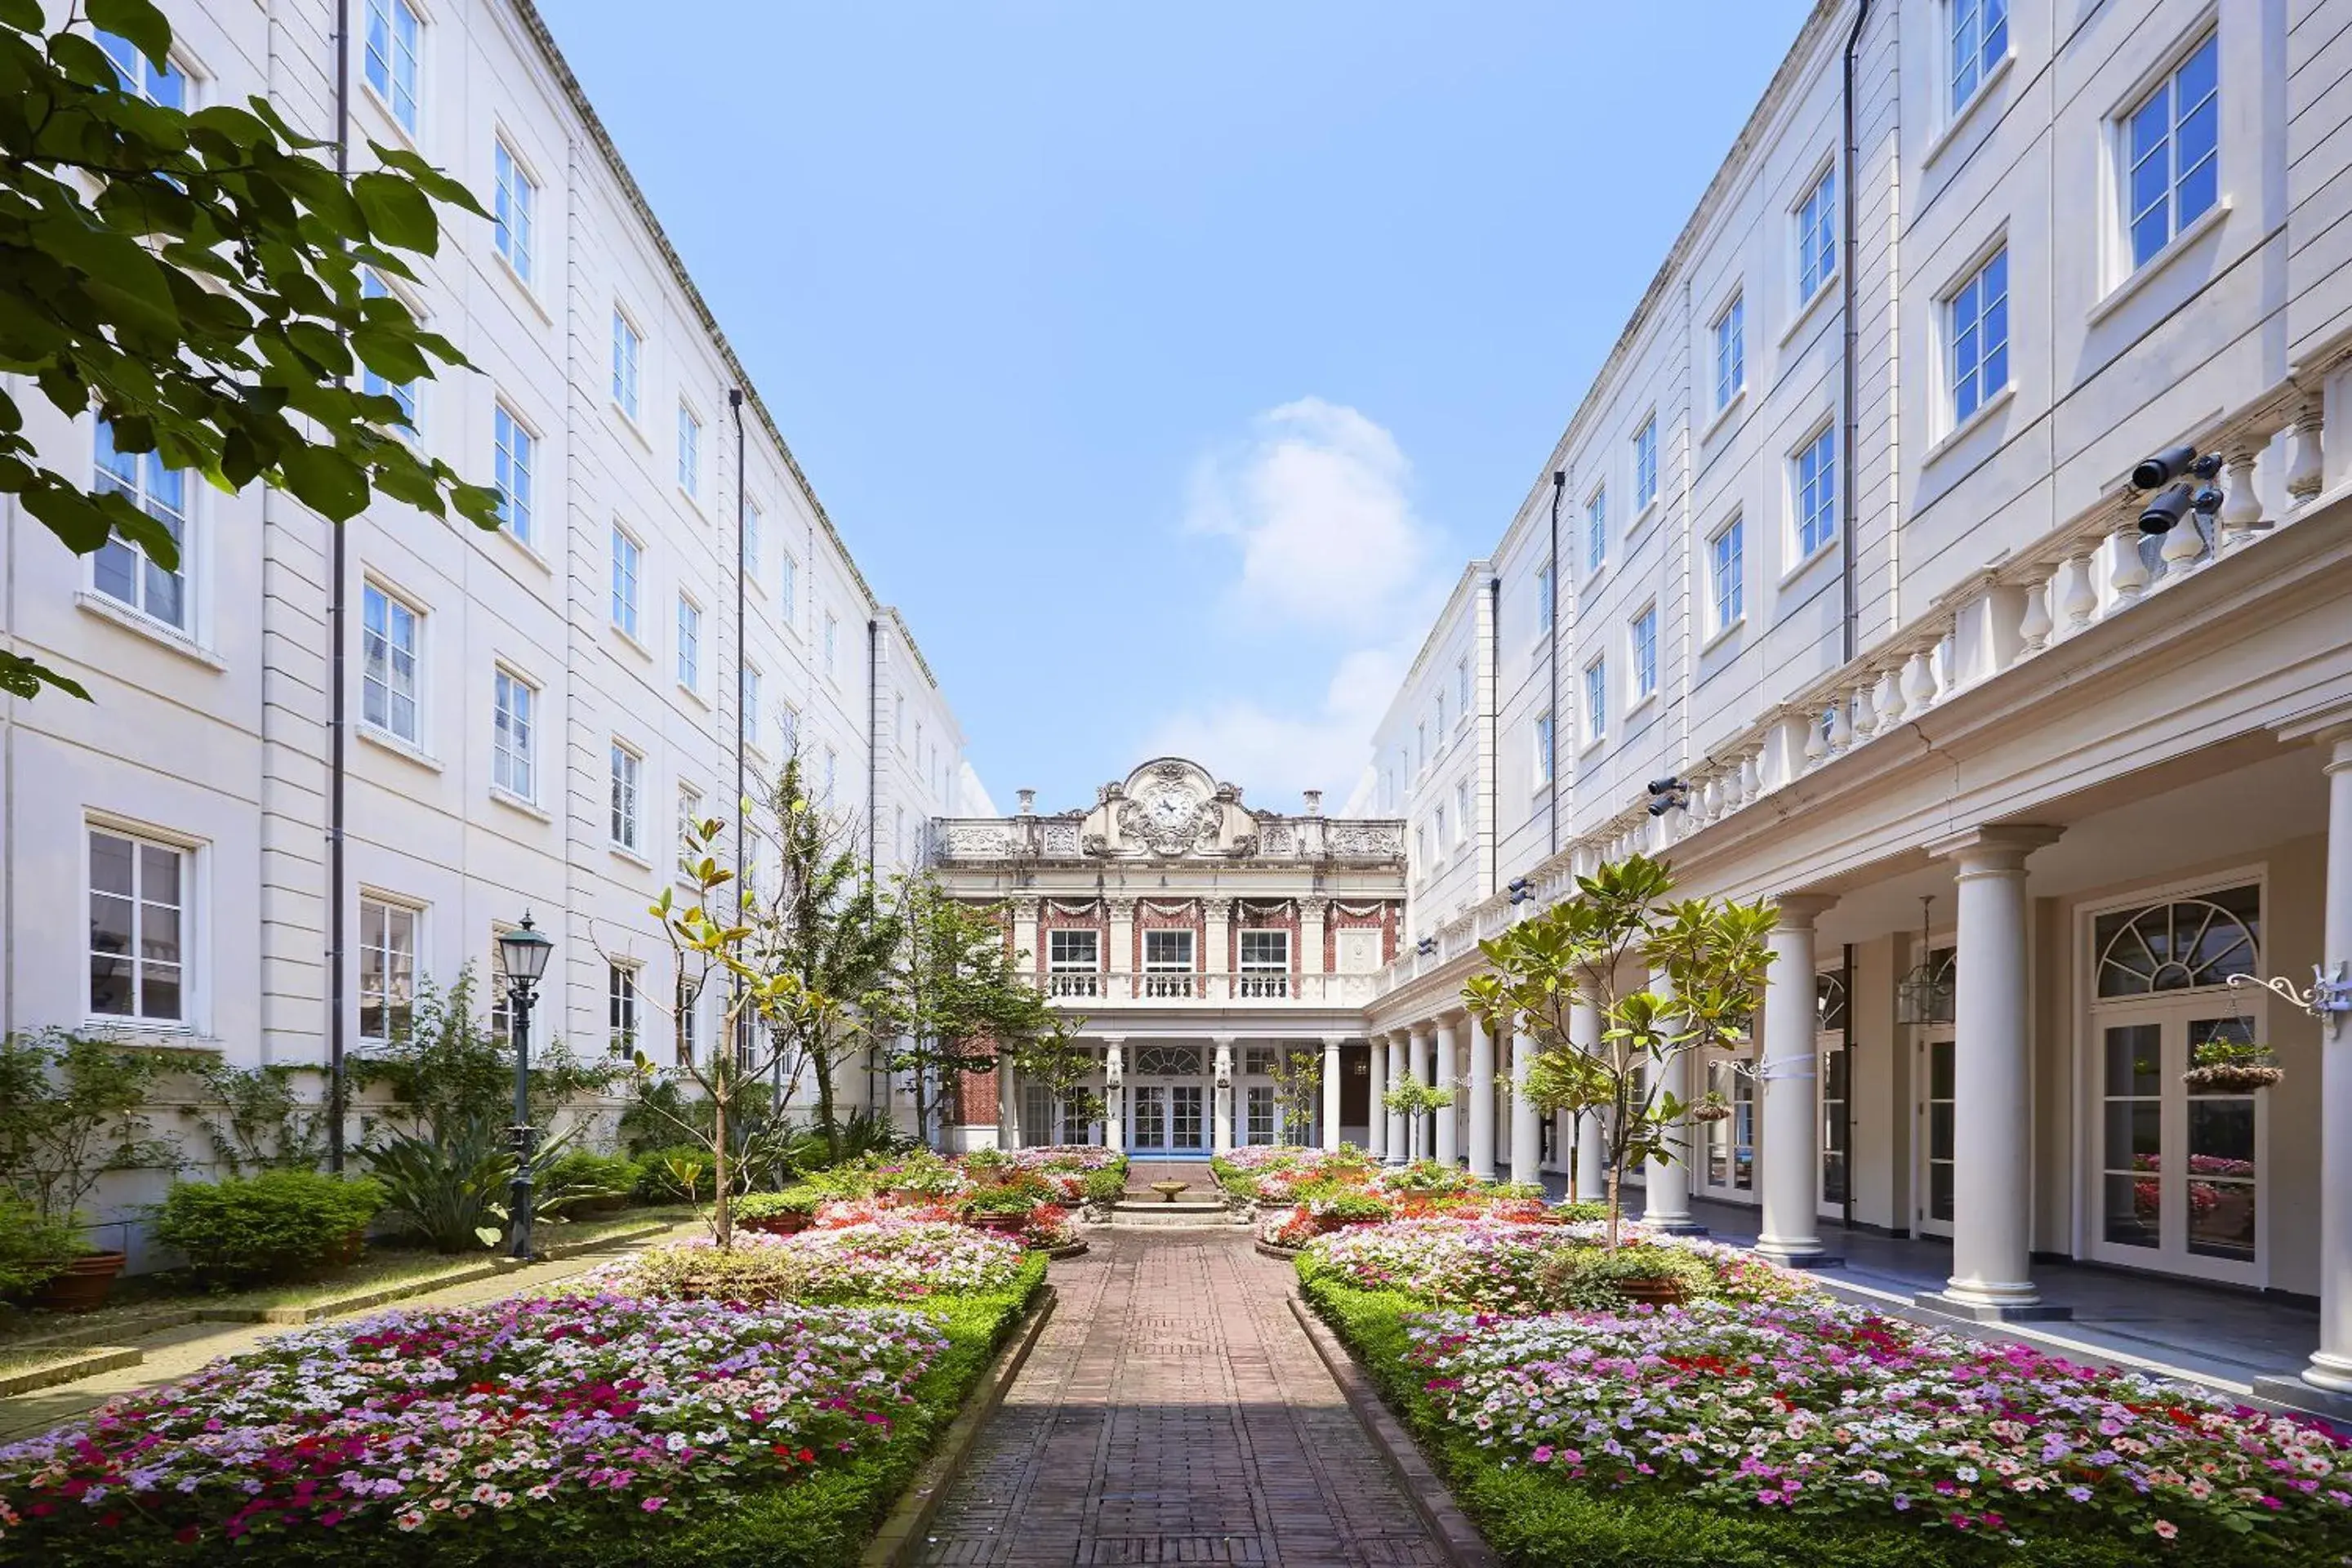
{"points": [[1849, 621], [873, 772], [1845, 1106], [1551, 642], [1494, 732], [337, 1090], [742, 653]]}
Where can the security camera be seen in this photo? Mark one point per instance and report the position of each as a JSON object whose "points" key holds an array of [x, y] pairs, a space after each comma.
{"points": [[1665, 786], [1519, 884], [2165, 512], [2164, 468], [1660, 807]]}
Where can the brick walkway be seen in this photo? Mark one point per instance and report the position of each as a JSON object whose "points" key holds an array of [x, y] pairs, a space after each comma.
{"points": [[1174, 1412]]}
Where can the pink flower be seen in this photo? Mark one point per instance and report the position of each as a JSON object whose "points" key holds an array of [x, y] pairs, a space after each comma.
{"points": [[2165, 1528], [652, 1504]]}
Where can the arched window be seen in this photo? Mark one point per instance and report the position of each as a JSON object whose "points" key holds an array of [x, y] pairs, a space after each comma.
{"points": [[1830, 1002], [2178, 945]]}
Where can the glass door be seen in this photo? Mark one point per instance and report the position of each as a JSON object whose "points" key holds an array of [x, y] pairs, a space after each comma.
{"points": [[1727, 1161], [1184, 1109], [2179, 1168], [1148, 1108], [1933, 1212]]}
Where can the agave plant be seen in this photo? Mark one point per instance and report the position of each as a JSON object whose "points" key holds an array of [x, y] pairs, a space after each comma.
{"points": [[452, 1190]]}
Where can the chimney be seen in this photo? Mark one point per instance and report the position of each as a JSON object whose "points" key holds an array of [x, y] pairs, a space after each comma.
{"points": [[1314, 798], [1028, 801]]}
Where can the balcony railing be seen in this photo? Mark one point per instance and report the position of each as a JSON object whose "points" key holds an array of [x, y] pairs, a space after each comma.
{"points": [[1147, 987]]}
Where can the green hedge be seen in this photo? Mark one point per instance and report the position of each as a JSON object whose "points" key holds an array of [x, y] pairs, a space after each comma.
{"points": [[1538, 1520], [275, 1226], [822, 1520]]}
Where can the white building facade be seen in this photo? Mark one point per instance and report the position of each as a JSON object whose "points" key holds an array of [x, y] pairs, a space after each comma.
{"points": [[1844, 546], [527, 716]]}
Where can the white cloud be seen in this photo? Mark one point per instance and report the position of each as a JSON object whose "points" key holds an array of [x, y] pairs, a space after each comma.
{"points": [[1317, 503], [1332, 553]]}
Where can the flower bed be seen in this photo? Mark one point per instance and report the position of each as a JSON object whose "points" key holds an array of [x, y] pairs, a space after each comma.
{"points": [[1809, 1431], [1502, 1265], [889, 1258]]}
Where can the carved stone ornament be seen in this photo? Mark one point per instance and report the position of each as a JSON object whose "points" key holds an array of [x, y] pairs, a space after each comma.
{"points": [[1166, 809]]}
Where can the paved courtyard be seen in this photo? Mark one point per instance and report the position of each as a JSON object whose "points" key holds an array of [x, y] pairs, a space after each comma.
{"points": [[1174, 1412]]}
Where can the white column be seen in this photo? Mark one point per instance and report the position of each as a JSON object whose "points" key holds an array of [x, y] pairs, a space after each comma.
{"points": [[1481, 1102], [1417, 1065], [1121, 961], [1008, 1105], [1790, 1146], [1665, 1202], [2331, 1364], [1592, 1177], [1992, 1078], [1026, 913], [1220, 1096], [1449, 1068], [1399, 1136], [1114, 1095], [1216, 936], [1331, 1092], [1376, 1115], [1527, 1123], [1311, 913]]}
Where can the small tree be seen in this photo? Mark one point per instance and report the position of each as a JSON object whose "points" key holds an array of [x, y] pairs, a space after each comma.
{"points": [[73, 1107], [1056, 1060], [962, 1000], [1297, 1074], [1713, 953]]}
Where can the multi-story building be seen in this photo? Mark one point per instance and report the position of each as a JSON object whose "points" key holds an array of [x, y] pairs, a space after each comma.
{"points": [[256, 839], [1199, 942], [1841, 588]]}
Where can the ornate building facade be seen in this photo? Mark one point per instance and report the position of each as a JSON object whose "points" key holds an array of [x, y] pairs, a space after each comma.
{"points": [[1199, 941]]}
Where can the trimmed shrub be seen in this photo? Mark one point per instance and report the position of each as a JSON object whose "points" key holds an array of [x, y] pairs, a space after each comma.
{"points": [[270, 1227], [612, 1176], [801, 1199], [32, 1249], [1107, 1186]]}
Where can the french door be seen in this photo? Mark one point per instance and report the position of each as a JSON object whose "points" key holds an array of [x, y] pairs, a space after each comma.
{"points": [[2178, 1171], [1725, 1155], [1933, 1186], [1165, 1118]]}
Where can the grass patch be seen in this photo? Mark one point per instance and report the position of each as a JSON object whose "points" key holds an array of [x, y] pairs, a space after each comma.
{"points": [[1539, 1521]]}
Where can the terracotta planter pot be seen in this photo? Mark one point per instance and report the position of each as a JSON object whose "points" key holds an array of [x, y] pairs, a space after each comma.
{"points": [[1651, 1292], [84, 1285], [1325, 1224], [1003, 1224], [786, 1224]]}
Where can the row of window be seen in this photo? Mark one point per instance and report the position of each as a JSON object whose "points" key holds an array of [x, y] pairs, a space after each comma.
{"points": [[1079, 950]]}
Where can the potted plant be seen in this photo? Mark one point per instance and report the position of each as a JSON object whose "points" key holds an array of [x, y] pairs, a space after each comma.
{"points": [[2232, 1067], [1002, 1209], [71, 1110], [779, 1214], [1346, 1208], [1640, 1273]]}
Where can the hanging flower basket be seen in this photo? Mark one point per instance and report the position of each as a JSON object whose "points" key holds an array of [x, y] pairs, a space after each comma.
{"points": [[1714, 1108], [2232, 1067]]}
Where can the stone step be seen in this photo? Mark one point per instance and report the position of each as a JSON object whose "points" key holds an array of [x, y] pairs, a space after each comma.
{"points": [[1170, 1215]]}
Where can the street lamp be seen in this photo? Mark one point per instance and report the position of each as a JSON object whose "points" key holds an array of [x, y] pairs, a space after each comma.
{"points": [[524, 952]]}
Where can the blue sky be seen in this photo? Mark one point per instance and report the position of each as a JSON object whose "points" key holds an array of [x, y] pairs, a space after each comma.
{"points": [[1164, 362]]}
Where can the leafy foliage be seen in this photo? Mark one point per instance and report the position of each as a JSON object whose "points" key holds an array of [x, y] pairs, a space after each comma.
{"points": [[198, 279], [32, 1249], [1713, 955], [278, 1224], [256, 1120], [73, 1107], [1298, 1075], [452, 1190], [446, 1071], [964, 1002]]}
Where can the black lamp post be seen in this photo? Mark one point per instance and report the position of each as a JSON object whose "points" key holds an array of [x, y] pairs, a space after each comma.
{"points": [[524, 952]]}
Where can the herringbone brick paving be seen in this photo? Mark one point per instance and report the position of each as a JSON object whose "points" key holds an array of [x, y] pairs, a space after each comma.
{"points": [[1173, 1412]]}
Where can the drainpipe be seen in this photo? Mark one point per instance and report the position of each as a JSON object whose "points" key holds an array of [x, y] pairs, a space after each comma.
{"points": [[1850, 619], [1494, 730], [742, 655], [1845, 1106], [1552, 643], [337, 1090], [874, 738]]}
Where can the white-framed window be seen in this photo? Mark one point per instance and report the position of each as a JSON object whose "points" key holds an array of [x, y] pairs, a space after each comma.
{"points": [[628, 792], [391, 654], [628, 353], [788, 584], [1727, 573], [1645, 465], [166, 88], [1730, 331], [788, 729], [1976, 320], [1979, 38], [1596, 701], [1547, 750], [516, 453], [1441, 718], [689, 644], [122, 569], [140, 923], [1073, 960], [689, 451], [898, 720], [1813, 484], [1437, 827], [831, 643], [1265, 962], [750, 718], [1462, 686], [755, 543], [501, 1001], [1547, 597], [628, 570], [1596, 530], [514, 735], [1642, 642], [689, 824], [1420, 745], [387, 968], [403, 392], [898, 832], [621, 1008], [1167, 963], [1817, 236], [514, 205], [1421, 847], [832, 772], [1462, 818], [392, 33], [2171, 146]]}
